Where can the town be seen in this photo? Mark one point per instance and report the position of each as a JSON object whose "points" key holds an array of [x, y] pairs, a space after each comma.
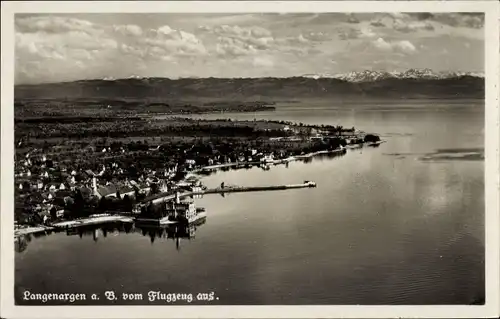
{"points": [[70, 169]]}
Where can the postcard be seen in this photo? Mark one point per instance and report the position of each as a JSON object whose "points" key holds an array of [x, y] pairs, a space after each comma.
{"points": [[248, 159]]}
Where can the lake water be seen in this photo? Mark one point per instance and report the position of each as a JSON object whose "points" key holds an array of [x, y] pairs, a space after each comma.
{"points": [[382, 227]]}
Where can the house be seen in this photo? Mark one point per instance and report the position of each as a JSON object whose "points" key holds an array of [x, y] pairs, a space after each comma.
{"points": [[196, 189], [89, 148], [106, 191], [71, 179], [86, 192], [60, 213], [62, 197], [163, 187], [267, 159], [126, 190], [90, 173], [186, 208]]}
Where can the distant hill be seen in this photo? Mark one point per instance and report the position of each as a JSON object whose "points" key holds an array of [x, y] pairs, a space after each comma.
{"points": [[370, 76], [368, 84]]}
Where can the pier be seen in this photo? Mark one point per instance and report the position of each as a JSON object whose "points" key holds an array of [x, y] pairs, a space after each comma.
{"points": [[93, 220], [163, 197]]}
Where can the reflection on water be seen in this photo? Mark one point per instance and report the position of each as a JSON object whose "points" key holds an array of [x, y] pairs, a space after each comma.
{"points": [[174, 232], [265, 167]]}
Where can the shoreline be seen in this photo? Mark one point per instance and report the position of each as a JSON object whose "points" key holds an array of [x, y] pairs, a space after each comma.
{"points": [[271, 162], [126, 217]]}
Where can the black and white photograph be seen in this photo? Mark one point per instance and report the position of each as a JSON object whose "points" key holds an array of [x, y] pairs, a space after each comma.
{"points": [[262, 158]]}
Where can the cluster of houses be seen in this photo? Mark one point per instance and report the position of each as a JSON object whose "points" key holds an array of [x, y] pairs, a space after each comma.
{"points": [[48, 185], [51, 185]]}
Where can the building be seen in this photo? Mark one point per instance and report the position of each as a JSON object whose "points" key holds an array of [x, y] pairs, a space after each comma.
{"points": [[106, 191], [126, 190], [267, 159], [181, 209]]}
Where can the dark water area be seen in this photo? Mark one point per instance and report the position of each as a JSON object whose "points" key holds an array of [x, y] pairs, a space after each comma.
{"points": [[382, 226]]}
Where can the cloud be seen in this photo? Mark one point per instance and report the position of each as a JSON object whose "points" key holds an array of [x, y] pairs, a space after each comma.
{"points": [[45, 45], [234, 47], [129, 29], [474, 21], [412, 26], [317, 36], [173, 42], [49, 46], [351, 18], [50, 24], [233, 40], [377, 24], [397, 15], [263, 62], [54, 48], [465, 20], [237, 31], [297, 40], [355, 33], [404, 46]]}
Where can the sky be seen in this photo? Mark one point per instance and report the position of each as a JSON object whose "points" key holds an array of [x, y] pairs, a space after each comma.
{"points": [[67, 47]]}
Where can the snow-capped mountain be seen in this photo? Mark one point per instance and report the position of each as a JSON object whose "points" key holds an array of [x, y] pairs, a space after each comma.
{"points": [[370, 76]]}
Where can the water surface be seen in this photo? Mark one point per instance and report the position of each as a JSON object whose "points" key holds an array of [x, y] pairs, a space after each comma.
{"points": [[382, 227]]}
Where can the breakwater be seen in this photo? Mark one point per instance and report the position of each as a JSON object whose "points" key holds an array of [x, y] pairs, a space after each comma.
{"points": [[220, 190]]}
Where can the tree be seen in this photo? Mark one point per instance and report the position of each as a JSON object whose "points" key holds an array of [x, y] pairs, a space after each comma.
{"points": [[53, 213], [371, 138], [154, 188], [127, 203], [103, 204], [339, 129]]}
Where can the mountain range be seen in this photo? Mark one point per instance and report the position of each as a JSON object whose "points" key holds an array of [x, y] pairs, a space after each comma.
{"points": [[410, 84], [370, 76]]}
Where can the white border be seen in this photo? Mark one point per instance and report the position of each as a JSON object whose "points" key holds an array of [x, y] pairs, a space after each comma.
{"points": [[491, 309]]}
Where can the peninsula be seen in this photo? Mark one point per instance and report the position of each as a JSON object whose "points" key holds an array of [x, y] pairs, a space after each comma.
{"points": [[73, 167]]}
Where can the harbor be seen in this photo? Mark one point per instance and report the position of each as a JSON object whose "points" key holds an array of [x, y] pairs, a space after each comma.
{"points": [[164, 197], [175, 203]]}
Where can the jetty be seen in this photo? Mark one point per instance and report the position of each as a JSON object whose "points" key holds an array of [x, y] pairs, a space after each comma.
{"points": [[236, 189], [163, 197], [93, 220]]}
